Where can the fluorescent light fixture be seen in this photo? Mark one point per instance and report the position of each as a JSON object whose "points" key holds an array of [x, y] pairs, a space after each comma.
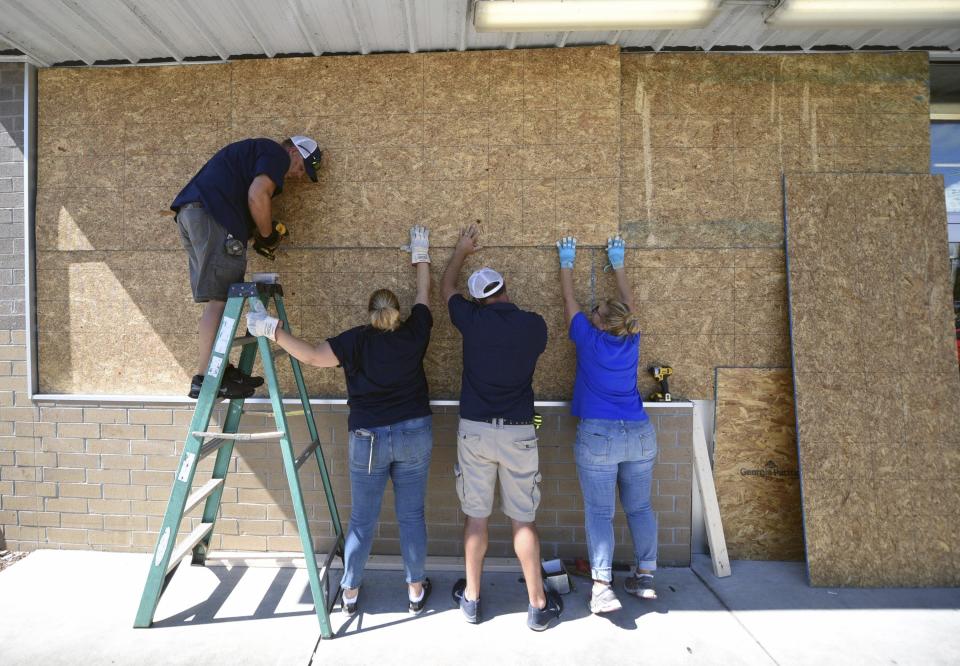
{"points": [[866, 14], [566, 15]]}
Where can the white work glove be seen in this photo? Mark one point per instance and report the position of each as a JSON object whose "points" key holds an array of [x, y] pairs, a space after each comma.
{"points": [[259, 323], [419, 244]]}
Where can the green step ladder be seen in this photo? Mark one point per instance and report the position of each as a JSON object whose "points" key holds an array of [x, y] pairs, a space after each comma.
{"points": [[200, 443]]}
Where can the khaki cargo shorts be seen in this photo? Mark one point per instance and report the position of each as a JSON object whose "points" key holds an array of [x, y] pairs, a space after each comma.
{"points": [[486, 452]]}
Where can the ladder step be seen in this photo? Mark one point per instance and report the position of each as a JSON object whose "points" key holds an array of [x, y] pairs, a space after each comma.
{"points": [[247, 339], [211, 445], [201, 493], [239, 436], [307, 452], [195, 537]]}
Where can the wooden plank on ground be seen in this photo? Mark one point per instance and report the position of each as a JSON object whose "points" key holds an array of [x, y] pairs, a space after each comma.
{"points": [[755, 464], [708, 498]]}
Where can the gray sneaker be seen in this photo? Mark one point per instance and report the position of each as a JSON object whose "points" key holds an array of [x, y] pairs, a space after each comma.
{"points": [[604, 600], [469, 608], [540, 619], [640, 585]]}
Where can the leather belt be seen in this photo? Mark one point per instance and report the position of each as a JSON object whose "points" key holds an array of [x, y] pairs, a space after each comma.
{"points": [[510, 422]]}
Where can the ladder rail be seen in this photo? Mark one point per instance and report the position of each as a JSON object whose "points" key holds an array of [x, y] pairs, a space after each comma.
{"points": [[296, 492], [221, 465], [186, 469], [312, 428]]}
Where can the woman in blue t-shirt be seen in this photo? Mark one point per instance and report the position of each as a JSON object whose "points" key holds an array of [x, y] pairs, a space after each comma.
{"points": [[391, 432], [616, 443]]}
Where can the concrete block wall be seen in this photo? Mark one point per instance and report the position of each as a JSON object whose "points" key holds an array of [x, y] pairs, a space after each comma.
{"points": [[98, 476], [12, 349]]}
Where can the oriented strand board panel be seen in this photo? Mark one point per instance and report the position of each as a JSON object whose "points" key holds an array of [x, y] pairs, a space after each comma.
{"points": [[703, 141], [755, 464], [532, 144], [705, 137], [876, 383], [525, 143]]}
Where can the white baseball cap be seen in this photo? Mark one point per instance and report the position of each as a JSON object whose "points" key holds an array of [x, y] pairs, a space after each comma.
{"points": [[484, 282], [311, 154]]}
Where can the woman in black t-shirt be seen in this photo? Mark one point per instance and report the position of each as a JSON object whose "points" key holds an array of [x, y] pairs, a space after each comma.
{"points": [[391, 432]]}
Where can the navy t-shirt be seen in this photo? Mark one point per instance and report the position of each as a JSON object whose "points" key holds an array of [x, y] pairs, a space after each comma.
{"points": [[384, 370], [501, 344], [222, 183], [606, 383]]}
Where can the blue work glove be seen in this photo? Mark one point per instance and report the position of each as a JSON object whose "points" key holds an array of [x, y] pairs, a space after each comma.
{"points": [[567, 249], [615, 251]]}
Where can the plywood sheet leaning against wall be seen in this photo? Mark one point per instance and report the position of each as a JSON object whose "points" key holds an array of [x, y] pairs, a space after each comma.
{"points": [[876, 383], [523, 142], [704, 140], [755, 464]]}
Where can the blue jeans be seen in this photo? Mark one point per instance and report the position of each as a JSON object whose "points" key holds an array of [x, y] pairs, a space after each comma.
{"points": [[401, 452], [609, 454]]}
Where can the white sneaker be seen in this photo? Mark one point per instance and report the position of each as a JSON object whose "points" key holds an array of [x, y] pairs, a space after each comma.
{"points": [[603, 599]]}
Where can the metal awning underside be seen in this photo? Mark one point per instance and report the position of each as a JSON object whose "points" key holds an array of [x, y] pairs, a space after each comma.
{"points": [[49, 32]]}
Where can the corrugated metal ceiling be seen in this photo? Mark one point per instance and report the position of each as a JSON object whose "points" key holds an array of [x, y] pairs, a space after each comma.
{"points": [[92, 31]]}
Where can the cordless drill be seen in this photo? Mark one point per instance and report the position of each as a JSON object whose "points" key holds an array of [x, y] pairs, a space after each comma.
{"points": [[661, 373]]}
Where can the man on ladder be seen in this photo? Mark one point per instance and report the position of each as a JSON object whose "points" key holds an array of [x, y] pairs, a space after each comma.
{"points": [[223, 204], [202, 442]]}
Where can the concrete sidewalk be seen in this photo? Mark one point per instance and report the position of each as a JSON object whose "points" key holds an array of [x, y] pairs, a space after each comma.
{"points": [[64, 607]]}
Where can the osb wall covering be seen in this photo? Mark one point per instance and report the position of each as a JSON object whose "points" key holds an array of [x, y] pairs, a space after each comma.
{"points": [[704, 139], [875, 371], [755, 464], [525, 143], [681, 153]]}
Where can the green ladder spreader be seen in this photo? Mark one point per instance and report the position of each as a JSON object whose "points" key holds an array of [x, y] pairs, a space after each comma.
{"points": [[200, 443]]}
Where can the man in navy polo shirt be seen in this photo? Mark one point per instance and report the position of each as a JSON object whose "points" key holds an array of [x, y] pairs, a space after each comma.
{"points": [[496, 438], [225, 203]]}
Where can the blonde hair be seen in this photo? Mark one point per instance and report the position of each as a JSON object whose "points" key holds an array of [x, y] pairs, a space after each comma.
{"points": [[384, 309], [619, 320]]}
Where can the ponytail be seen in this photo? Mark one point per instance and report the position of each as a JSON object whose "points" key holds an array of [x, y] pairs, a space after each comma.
{"points": [[619, 320], [384, 309]]}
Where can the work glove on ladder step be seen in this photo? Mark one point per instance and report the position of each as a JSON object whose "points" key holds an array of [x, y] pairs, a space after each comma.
{"points": [[259, 323]]}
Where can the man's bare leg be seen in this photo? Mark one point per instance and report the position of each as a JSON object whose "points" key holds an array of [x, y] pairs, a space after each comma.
{"points": [[475, 541], [526, 543], [209, 323]]}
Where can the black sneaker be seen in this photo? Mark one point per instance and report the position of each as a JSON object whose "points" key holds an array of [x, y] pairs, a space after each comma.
{"points": [[228, 389], [349, 608], [540, 619], [234, 374], [470, 609], [416, 607], [640, 585]]}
